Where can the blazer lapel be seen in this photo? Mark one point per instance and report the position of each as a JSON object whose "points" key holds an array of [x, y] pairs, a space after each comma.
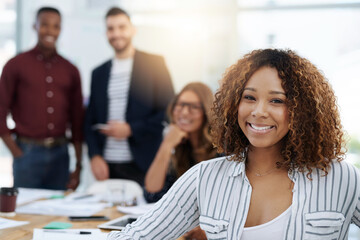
{"points": [[103, 91]]}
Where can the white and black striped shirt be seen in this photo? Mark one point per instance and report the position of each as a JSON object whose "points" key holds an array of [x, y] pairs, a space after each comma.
{"points": [[216, 195], [118, 151]]}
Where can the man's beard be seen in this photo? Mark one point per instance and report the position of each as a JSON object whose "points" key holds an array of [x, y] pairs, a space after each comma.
{"points": [[122, 49]]}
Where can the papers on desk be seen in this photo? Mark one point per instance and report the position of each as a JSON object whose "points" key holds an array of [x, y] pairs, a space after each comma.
{"points": [[135, 210], [69, 234], [7, 223], [31, 194], [79, 197], [61, 207]]}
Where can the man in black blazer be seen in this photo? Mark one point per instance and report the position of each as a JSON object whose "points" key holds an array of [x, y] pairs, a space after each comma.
{"points": [[128, 99]]}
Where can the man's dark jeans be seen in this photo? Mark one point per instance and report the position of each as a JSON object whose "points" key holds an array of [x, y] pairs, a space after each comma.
{"points": [[41, 167]]}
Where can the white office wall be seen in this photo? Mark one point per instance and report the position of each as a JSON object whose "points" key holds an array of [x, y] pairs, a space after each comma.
{"points": [[330, 38], [196, 40]]}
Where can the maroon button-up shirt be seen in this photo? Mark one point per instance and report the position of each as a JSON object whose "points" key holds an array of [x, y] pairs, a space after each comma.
{"points": [[43, 96]]}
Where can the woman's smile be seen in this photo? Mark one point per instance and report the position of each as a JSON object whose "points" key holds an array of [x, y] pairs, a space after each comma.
{"points": [[260, 128]]}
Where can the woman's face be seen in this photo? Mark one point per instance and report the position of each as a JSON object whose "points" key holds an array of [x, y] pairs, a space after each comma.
{"points": [[262, 113], [188, 112]]}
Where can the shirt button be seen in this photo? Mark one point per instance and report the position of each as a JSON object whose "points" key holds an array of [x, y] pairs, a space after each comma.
{"points": [[49, 94], [39, 57], [50, 110], [50, 126], [48, 65], [49, 79]]}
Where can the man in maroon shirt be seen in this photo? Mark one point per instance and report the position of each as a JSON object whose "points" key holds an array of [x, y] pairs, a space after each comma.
{"points": [[42, 92]]}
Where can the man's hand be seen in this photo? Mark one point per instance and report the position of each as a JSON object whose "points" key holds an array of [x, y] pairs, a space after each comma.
{"points": [[12, 146], [118, 130], [74, 179], [99, 168], [195, 234], [16, 152]]}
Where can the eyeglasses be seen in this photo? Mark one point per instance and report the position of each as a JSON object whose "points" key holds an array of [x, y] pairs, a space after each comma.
{"points": [[193, 107]]}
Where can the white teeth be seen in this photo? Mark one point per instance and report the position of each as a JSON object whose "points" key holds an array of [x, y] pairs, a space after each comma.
{"points": [[260, 128], [184, 121]]}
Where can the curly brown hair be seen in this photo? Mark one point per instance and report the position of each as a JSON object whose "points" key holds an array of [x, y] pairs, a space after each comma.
{"points": [[315, 136], [185, 156]]}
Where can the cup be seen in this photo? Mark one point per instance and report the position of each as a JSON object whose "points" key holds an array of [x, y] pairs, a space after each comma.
{"points": [[8, 201], [116, 194]]}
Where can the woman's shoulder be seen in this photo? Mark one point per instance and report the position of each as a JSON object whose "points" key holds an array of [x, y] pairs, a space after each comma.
{"points": [[218, 160], [337, 169], [344, 167], [223, 164]]}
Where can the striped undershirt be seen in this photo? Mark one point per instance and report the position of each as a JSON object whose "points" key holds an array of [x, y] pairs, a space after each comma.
{"points": [[118, 151], [216, 195]]}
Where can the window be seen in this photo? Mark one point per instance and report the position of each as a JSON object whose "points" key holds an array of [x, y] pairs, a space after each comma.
{"points": [[314, 31], [7, 50]]}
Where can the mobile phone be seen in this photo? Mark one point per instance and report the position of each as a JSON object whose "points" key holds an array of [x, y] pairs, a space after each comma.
{"points": [[88, 218], [100, 126]]}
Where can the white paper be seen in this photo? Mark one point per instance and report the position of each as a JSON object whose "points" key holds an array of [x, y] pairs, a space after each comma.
{"points": [[78, 197], [61, 207], [31, 194], [135, 210], [68, 234], [6, 223]]}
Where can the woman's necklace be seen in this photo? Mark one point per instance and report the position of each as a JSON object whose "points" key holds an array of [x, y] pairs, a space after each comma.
{"points": [[258, 174]]}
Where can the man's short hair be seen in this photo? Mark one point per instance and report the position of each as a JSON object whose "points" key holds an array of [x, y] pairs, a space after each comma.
{"points": [[47, 9], [116, 11]]}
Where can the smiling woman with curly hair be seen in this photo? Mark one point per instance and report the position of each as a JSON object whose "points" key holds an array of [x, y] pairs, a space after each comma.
{"points": [[276, 119], [315, 136]]}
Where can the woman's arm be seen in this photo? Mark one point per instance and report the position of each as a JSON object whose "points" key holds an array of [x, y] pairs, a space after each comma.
{"points": [[152, 197], [155, 176], [176, 213]]}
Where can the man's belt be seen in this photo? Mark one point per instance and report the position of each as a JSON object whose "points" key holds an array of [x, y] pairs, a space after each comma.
{"points": [[45, 142]]}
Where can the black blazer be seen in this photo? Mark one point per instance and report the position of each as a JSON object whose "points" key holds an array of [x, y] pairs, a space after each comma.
{"points": [[150, 92]]}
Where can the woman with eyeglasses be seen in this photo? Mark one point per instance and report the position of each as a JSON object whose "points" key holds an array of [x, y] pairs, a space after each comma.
{"points": [[187, 141]]}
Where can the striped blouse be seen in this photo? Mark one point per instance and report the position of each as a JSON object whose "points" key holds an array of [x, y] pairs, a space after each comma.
{"points": [[216, 195]]}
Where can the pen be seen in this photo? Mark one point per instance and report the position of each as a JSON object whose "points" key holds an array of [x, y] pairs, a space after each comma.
{"points": [[83, 196], [68, 232]]}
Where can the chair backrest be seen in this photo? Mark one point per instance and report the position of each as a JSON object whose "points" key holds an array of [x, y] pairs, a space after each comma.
{"points": [[117, 191]]}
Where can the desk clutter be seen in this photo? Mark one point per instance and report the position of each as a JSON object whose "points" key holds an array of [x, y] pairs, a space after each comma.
{"points": [[69, 234], [27, 195], [7, 223], [58, 225], [49, 214], [61, 207], [74, 204]]}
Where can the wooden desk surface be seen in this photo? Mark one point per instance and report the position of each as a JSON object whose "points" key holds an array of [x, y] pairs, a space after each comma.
{"points": [[25, 232]]}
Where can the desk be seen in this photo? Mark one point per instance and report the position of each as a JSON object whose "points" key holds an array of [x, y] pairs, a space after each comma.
{"points": [[25, 232]]}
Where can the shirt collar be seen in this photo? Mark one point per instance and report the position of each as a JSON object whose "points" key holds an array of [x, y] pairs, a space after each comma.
{"points": [[40, 56], [238, 168]]}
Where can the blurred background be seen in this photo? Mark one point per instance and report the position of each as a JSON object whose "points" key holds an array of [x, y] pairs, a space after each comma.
{"points": [[199, 40]]}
